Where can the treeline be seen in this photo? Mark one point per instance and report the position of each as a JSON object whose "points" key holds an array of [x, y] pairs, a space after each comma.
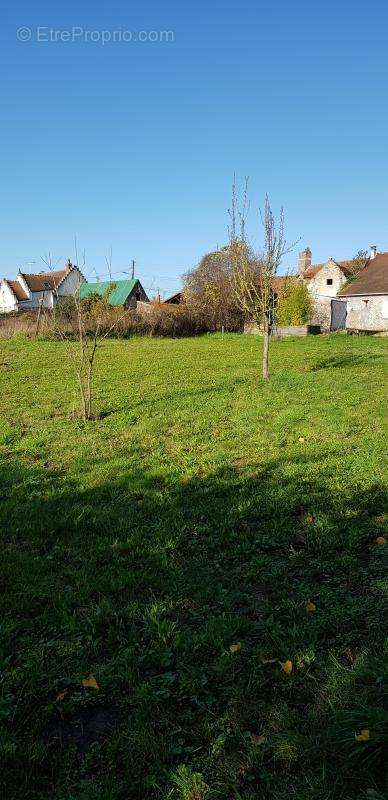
{"points": [[210, 304], [210, 292]]}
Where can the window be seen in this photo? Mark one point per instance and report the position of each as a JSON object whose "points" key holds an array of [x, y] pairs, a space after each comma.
{"points": [[329, 281], [137, 296]]}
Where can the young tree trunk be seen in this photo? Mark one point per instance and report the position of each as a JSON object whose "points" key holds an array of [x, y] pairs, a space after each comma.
{"points": [[89, 391], [267, 332], [38, 316]]}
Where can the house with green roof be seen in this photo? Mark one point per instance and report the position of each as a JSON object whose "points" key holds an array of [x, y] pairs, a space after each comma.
{"points": [[119, 293]]}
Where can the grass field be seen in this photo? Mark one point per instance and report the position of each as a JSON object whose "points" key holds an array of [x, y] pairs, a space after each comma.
{"points": [[169, 548]]}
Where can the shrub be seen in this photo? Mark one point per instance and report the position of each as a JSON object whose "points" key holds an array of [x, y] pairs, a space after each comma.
{"points": [[295, 307], [160, 319], [154, 319], [66, 309]]}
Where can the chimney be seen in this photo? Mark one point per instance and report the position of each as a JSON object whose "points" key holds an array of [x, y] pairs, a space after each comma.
{"points": [[373, 251], [304, 260]]}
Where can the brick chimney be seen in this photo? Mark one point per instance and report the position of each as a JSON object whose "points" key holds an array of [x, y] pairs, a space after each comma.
{"points": [[373, 251], [304, 260]]}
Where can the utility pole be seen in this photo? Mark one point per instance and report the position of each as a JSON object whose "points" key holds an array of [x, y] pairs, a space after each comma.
{"points": [[133, 268]]}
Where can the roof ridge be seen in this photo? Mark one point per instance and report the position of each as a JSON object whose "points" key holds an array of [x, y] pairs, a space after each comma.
{"points": [[45, 272]]}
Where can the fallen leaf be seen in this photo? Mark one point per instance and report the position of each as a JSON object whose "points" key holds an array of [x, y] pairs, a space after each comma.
{"points": [[259, 739], [301, 439], [268, 660], [90, 683], [310, 606], [364, 736], [381, 540], [349, 655], [61, 696], [309, 519], [235, 647], [286, 666]]}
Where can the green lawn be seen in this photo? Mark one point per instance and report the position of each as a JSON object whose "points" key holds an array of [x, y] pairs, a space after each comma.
{"points": [[202, 509]]}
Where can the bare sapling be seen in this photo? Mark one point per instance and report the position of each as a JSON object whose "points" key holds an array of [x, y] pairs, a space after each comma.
{"points": [[94, 322], [253, 277]]}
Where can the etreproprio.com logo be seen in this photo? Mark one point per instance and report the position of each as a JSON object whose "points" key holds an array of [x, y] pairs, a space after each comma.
{"points": [[43, 33]]}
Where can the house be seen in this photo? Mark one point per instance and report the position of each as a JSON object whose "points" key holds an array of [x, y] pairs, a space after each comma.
{"points": [[175, 299], [324, 282], [125, 293], [31, 290], [366, 296], [349, 295]]}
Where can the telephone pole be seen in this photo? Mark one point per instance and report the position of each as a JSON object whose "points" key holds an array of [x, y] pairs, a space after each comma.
{"points": [[133, 268]]}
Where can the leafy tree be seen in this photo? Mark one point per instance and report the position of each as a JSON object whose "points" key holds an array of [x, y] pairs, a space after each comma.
{"points": [[208, 291], [358, 261], [294, 306]]}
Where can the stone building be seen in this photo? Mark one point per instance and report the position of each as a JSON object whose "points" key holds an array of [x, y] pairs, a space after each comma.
{"points": [[324, 282], [348, 294]]}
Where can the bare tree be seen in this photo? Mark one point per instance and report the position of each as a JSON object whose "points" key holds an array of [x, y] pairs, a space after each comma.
{"points": [[253, 278], [94, 322], [94, 325]]}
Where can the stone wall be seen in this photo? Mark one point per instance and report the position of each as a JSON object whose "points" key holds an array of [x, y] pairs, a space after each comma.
{"points": [[367, 313], [321, 292], [285, 330], [322, 312], [318, 285]]}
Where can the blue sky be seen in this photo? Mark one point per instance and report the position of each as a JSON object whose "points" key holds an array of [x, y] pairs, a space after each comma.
{"points": [[132, 145]]}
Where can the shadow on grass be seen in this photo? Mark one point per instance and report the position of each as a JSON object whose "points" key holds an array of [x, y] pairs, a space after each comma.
{"points": [[345, 361], [145, 583], [173, 397]]}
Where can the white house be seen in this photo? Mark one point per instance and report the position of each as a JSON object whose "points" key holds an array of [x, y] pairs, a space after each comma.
{"points": [[31, 290], [366, 296]]}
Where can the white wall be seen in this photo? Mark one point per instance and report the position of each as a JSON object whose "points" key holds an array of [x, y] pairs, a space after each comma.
{"points": [[36, 297], [20, 279], [68, 286], [71, 283], [367, 313], [321, 293], [318, 286], [8, 300]]}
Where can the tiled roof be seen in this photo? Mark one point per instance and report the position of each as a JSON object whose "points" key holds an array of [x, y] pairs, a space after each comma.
{"points": [[18, 290], [373, 279], [312, 270], [347, 267], [44, 280], [279, 282]]}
